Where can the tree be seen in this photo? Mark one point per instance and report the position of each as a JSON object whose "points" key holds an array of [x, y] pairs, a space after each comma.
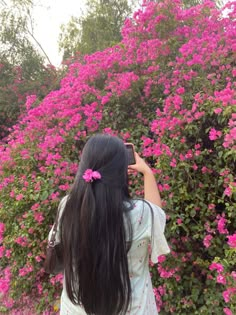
{"points": [[98, 29], [22, 62], [18, 43], [192, 3]]}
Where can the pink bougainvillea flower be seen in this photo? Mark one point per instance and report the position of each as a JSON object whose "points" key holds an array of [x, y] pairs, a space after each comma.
{"points": [[161, 258], [25, 270], [5, 279], [105, 99], [38, 258], [54, 195], [221, 223], [227, 311], [31, 230], [233, 274], [221, 279], [38, 216], [216, 266], [214, 134], [40, 288], [179, 221], [2, 228], [22, 240], [12, 194], [228, 191], [226, 296], [35, 206], [228, 293], [211, 206], [217, 110], [207, 240], [19, 197], [4, 285], [2, 251], [64, 187], [8, 253], [232, 240], [30, 100], [180, 90]]}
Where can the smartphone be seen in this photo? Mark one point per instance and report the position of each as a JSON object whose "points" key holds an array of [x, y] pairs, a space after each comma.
{"points": [[131, 156]]}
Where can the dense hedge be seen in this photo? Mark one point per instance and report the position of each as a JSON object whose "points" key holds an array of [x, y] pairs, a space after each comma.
{"points": [[17, 84], [168, 88]]}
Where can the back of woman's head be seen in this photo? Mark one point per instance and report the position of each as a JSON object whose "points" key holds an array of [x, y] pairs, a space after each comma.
{"points": [[93, 231], [106, 154]]}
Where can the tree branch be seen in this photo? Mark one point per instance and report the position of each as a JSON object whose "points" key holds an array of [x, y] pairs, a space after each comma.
{"points": [[32, 35], [4, 2], [40, 46]]}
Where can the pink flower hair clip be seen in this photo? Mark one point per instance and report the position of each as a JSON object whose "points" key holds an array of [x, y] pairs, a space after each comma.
{"points": [[90, 175]]}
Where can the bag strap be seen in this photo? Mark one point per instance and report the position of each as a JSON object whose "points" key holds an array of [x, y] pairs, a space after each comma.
{"points": [[51, 242]]}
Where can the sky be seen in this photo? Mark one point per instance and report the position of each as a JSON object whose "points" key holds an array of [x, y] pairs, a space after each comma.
{"points": [[48, 16]]}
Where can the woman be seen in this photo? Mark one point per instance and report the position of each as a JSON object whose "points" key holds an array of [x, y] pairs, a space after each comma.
{"points": [[106, 235]]}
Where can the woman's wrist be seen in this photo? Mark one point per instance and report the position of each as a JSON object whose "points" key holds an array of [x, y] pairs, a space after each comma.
{"points": [[147, 171]]}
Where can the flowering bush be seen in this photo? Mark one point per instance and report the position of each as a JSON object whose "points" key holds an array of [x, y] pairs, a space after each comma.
{"points": [[16, 88], [169, 88]]}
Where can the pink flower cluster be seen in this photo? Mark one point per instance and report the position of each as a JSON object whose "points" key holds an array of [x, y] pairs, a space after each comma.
{"points": [[221, 223], [227, 294], [25, 271], [227, 311], [216, 266], [232, 240], [2, 229], [222, 278], [22, 241], [214, 134], [207, 240], [5, 278]]}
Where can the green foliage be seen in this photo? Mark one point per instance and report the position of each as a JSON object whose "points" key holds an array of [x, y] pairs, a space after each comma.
{"points": [[192, 3], [97, 30], [15, 34], [18, 82], [22, 65]]}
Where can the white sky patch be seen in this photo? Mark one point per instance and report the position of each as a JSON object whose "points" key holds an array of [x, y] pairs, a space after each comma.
{"points": [[48, 15]]}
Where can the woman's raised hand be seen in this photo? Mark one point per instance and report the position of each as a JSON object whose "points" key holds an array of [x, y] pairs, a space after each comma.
{"points": [[151, 192], [140, 166]]}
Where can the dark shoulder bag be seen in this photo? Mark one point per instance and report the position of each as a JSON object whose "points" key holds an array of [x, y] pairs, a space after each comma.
{"points": [[54, 260]]}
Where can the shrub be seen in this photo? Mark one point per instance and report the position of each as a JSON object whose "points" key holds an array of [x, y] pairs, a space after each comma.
{"points": [[17, 85], [169, 88]]}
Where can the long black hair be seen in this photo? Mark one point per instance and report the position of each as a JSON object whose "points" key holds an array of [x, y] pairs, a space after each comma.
{"points": [[96, 232]]}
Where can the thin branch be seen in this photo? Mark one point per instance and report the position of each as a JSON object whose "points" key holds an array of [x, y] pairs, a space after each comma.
{"points": [[31, 21], [4, 2], [31, 33], [40, 46]]}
